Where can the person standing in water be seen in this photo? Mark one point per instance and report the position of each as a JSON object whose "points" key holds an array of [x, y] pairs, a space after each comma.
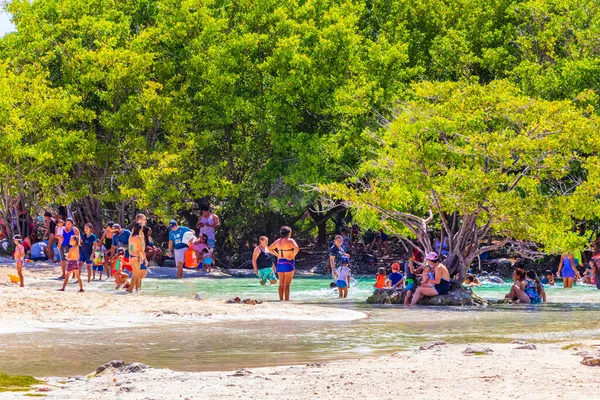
{"points": [[207, 224], [136, 257], [342, 277], [262, 261], [567, 269], [336, 253], [286, 249]]}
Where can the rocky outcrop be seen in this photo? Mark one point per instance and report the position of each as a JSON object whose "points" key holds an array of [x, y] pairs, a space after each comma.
{"points": [[120, 366], [458, 296]]}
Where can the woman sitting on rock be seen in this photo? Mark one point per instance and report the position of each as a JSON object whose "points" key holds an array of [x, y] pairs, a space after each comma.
{"points": [[437, 282], [517, 291]]}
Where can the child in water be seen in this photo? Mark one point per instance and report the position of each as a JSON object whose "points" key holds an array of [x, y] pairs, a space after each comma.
{"points": [[98, 262], [342, 277], [207, 259], [548, 278], [396, 279], [121, 277], [73, 264], [380, 279], [19, 257]]}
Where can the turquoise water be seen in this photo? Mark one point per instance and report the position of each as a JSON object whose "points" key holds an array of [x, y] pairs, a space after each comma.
{"points": [[316, 290], [570, 315]]}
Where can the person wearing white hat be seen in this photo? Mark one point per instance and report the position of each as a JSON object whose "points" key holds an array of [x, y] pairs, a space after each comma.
{"points": [[177, 245], [435, 282]]}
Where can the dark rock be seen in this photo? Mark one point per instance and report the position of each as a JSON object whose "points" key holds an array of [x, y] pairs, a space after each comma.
{"points": [[431, 345], [112, 364], [236, 300], [591, 361], [477, 350], [133, 368], [458, 296], [121, 366], [526, 347], [501, 267], [242, 372]]}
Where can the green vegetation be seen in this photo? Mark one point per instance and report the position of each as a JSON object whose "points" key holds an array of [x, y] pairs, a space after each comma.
{"points": [[392, 107], [573, 346], [17, 383]]}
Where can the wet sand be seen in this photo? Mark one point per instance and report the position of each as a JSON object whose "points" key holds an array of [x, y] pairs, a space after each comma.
{"points": [[548, 372]]}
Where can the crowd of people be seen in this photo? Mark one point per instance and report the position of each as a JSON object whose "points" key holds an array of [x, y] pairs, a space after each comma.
{"points": [[117, 251], [125, 254]]}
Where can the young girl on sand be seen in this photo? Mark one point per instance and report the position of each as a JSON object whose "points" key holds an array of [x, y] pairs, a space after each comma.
{"points": [[107, 242], [19, 257], [73, 264], [98, 263]]}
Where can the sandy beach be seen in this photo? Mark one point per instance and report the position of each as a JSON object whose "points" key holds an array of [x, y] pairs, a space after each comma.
{"points": [[37, 307], [548, 372]]}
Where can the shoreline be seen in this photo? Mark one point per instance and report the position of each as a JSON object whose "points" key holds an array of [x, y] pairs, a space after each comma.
{"points": [[548, 371]]}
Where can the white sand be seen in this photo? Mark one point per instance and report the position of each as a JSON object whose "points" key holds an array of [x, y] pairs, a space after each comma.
{"points": [[443, 373], [39, 305]]}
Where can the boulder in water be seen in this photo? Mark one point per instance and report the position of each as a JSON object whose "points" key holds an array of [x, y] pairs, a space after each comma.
{"points": [[457, 296]]}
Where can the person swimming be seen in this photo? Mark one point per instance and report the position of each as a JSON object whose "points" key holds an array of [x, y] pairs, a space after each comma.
{"points": [[471, 280], [534, 289], [548, 278]]}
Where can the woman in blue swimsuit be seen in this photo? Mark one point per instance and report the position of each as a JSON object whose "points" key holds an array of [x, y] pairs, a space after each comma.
{"points": [[567, 269], [286, 249], [434, 285]]}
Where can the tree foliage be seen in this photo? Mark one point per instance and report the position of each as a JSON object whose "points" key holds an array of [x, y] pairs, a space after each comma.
{"points": [[163, 104]]}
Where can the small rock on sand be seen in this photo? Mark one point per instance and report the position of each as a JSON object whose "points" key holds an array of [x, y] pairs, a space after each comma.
{"points": [[591, 361], [477, 350], [242, 372], [526, 347], [518, 341], [431, 345], [121, 366]]}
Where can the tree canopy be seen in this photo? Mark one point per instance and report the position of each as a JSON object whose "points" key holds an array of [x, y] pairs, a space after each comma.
{"points": [[164, 104]]}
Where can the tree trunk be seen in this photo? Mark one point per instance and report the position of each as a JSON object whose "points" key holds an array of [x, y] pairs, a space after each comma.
{"points": [[322, 234], [91, 207]]}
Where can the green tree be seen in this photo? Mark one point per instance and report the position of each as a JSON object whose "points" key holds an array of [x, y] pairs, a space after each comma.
{"points": [[481, 159]]}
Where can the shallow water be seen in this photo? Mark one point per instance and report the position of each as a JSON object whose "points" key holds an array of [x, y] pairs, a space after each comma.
{"points": [[570, 315]]}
